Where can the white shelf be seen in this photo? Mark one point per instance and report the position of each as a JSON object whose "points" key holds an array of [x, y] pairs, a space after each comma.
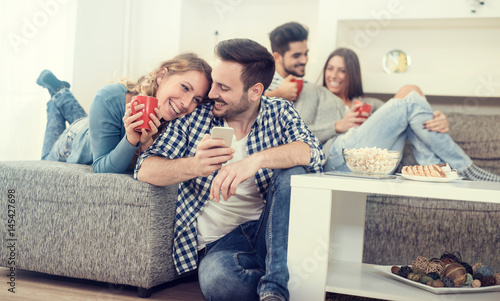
{"points": [[363, 280]]}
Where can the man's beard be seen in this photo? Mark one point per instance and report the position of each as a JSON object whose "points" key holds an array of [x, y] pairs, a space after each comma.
{"points": [[241, 107], [292, 72]]}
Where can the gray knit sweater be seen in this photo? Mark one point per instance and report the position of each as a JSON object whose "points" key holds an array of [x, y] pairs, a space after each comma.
{"points": [[321, 109]]}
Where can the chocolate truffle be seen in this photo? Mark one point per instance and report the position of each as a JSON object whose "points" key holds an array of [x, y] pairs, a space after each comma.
{"points": [[476, 283], [485, 271], [395, 269], [420, 264], [497, 278], [404, 271], [456, 272], [476, 266], [448, 282], [437, 283], [487, 281]]}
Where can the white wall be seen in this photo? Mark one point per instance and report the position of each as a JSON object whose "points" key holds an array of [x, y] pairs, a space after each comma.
{"points": [[88, 43], [121, 39], [99, 47], [245, 19], [453, 51], [35, 35], [92, 42]]}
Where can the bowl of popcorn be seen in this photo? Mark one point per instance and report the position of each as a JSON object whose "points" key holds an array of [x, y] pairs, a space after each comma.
{"points": [[371, 160]]}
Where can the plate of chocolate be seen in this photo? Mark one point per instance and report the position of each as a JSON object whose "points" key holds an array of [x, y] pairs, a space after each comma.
{"points": [[445, 275]]}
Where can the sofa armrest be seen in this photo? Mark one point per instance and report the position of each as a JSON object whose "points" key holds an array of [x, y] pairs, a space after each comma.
{"points": [[105, 227]]}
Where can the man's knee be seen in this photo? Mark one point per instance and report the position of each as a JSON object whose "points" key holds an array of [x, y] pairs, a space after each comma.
{"points": [[211, 272], [221, 280], [283, 176]]}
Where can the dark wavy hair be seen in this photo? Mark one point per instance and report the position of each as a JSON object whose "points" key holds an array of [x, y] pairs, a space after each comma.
{"points": [[283, 35], [258, 63]]}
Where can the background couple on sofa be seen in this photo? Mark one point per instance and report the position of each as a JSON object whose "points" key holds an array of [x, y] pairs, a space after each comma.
{"points": [[330, 112]]}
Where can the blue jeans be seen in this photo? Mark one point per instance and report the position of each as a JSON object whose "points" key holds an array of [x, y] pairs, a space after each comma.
{"points": [[62, 108], [251, 261], [390, 126]]}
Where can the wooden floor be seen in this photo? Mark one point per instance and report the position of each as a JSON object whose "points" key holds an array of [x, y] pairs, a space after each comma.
{"points": [[31, 286]]}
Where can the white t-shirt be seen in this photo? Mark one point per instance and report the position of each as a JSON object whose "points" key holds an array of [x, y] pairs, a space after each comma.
{"points": [[218, 219]]}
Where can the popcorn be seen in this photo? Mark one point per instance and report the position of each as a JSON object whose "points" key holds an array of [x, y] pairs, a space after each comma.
{"points": [[371, 160]]}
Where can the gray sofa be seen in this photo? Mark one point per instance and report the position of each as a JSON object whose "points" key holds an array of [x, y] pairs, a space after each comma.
{"points": [[104, 227], [111, 228]]}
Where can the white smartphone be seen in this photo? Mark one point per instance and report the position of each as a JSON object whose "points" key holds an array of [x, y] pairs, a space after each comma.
{"points": [[224, 133]]}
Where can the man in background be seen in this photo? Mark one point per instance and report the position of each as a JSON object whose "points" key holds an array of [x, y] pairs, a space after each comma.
{"points": [[289, 47]]}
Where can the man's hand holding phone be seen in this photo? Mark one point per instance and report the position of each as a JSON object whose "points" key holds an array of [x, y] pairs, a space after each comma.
{"points": [[211, 154], [224, 133]]}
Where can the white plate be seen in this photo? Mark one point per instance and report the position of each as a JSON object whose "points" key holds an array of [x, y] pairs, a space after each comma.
{"points": [[431, 179], [386, 270]]}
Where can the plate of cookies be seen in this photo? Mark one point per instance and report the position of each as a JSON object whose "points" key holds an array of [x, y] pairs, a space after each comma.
{"points": [[430, 173]]}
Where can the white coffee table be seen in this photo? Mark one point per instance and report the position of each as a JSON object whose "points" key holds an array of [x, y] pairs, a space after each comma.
{"points": [[327, 220]]}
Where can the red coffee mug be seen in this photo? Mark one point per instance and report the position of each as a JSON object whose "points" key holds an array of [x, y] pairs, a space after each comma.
{"points": [[364, 108], [300, 83], [150, 103]]}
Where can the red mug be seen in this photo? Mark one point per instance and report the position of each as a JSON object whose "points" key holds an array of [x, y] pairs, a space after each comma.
{"points": [[150, 103], [300, 83], [364, 108]]}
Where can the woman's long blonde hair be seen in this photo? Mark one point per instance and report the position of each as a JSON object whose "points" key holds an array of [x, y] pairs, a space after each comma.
{"points": [[148, 85]]}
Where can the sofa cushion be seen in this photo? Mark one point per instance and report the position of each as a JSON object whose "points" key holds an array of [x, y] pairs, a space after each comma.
{"points": [[477, 135]]}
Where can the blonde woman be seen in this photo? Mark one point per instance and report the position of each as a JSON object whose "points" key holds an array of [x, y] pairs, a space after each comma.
{"points": [[106, 137]]}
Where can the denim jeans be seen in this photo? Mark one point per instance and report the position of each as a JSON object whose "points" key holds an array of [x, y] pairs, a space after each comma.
{"points": [[62, 108], [251, 261], [390, 126]]}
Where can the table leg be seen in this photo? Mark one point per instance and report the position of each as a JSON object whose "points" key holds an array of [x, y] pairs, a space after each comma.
{"points": [[348, 225], [308, 243]]}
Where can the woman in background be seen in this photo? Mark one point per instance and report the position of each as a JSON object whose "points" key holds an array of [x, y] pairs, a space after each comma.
{"points": [[407, 115], [106, 138]]}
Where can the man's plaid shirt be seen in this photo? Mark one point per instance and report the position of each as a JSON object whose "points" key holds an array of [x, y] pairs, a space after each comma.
{"points": [[278, 123]]}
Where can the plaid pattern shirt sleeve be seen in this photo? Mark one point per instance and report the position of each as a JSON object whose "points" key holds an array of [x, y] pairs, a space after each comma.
{"points": [[278, 123]]}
